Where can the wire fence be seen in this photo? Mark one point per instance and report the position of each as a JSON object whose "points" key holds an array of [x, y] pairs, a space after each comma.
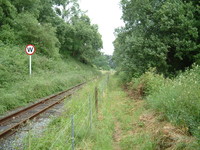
{"points": [[80, 120]]}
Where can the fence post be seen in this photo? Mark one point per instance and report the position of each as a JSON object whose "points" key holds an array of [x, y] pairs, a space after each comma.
{"points": [[90, 109], [72, 128], [107, 82], [96, 99]]}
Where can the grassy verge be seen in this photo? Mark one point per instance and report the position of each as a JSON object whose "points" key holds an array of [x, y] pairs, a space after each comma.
{"points": [[177, 99], [140, 128], [121, 123], [50, 75], [82, 108], [126, 114]]}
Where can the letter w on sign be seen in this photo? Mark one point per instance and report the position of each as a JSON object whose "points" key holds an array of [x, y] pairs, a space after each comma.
{"points": [[30, 49]]}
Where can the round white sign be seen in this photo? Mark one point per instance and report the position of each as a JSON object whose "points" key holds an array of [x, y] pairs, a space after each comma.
{"points": [[30, 49]]}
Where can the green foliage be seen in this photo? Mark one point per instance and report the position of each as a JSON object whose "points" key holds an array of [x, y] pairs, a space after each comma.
{"points": [[103, 62], [28, 30], [7, 12], [28, 6], [58, 133], [55, 37], [178, 98], [161, 34], [150, 81], [49, 76], [7, 34], [87, 41], [13, 64], [52, 26], [124, 77]]}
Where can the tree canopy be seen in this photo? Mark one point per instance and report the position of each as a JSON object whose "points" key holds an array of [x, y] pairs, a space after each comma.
{"points": [[161, 34], [55, 27]]}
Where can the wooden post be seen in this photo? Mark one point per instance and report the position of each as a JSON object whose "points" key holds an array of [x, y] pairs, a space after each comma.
{"points": [[96, 99], [72, 130], [90, 109]]}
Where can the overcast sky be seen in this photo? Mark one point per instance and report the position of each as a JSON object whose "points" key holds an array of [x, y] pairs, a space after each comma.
{"points": [[106, 14]]}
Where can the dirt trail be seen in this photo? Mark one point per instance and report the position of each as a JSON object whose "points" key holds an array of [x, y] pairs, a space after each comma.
{"points": [[137, 127], [117, 136]]}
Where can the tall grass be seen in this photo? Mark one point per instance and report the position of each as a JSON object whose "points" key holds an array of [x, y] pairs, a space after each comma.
{"points": [[178, 99], [49, 76], [58, 133]]}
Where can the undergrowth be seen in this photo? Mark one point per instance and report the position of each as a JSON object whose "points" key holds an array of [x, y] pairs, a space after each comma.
{"points": [[49, 75], [178, 99], [121, 123], [87, 127]]}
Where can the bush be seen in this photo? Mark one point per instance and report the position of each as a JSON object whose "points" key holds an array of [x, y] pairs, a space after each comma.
{"points": [[150, 81], [43, 36], [13, 65], [49, 75], [179, 100], [124, 77]]}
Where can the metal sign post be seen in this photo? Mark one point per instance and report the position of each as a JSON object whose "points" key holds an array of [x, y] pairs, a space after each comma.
{"points": [[30, 64], [30, 50]]}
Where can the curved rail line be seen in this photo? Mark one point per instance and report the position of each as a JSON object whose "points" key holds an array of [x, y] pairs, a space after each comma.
{"points": [[8, 124]]}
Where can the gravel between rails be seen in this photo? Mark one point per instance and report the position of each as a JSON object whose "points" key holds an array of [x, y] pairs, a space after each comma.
{"points": [[37, 126]]}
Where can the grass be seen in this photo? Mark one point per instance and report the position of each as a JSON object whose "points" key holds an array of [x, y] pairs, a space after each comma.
{"points": [[127, 113], [58, 133], [121, 123], [50, 75], [114, 106], [177, 99]]}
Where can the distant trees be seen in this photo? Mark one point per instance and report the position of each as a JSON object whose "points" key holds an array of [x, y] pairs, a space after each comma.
{"points": [[104, 62], [54, 26], [161, 34]]}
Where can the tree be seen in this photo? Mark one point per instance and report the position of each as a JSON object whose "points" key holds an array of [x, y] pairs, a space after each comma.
{"points": [[7, 12], [103, 62], [53, 26], [161, 34], [81, 39], [28, 30], [31, 6]]}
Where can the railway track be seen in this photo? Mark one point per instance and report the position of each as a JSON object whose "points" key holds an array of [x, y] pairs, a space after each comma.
{"points": [[10, 123]]}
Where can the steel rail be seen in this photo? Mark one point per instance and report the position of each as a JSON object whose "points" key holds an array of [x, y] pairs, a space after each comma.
{"points": [[49, 102]]}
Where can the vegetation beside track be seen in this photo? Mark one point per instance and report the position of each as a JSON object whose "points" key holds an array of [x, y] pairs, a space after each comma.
{"points": [[86, 129], [121, 123], [157, 34], [176, 99], [49, 76], [63, 36]]}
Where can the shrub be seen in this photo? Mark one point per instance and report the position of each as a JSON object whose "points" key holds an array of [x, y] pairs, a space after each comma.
{"points": [[124, 77], [150, 81], [179, 100], [49, 75], [43, 36]]}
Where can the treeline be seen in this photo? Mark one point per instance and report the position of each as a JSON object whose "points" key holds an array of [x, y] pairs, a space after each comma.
{"points": [[104, 62], [158, 54], [158, 34], [55, 27]]}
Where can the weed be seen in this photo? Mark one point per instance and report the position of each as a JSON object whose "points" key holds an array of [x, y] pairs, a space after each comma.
{"points": [[49, 76], [179, 100]]}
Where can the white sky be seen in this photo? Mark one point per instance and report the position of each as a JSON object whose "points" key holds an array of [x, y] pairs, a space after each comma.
{"points": [[106, 14]]}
